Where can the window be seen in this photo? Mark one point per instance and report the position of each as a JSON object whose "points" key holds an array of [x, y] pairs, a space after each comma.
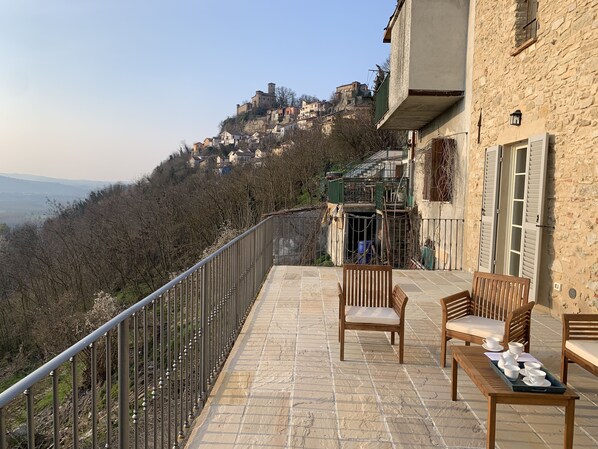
{"points": [[526, 23], [438, 170]]}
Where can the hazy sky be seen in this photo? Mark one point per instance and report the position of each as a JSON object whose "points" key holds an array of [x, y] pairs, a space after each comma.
{"points": [[105, 89]]}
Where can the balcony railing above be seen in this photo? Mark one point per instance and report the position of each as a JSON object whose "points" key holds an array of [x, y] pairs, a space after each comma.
{"points": [[381, 99], [378, 192]]}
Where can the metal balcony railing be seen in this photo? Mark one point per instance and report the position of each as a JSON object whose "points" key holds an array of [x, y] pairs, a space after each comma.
{"points": [[376, 191], [300, 238], [381, 99], [335, 191], [403, 240], [141, 378], [439, 244]]}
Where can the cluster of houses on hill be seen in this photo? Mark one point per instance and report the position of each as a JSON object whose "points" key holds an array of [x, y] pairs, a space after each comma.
{"points": [[265, 132]]}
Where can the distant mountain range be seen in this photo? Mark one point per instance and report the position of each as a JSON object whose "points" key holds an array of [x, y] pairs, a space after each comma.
{"points": [[29, 198]]}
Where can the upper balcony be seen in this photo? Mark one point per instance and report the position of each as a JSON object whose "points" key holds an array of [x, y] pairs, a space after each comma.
{"points": [[380, 181], [427, 62]]}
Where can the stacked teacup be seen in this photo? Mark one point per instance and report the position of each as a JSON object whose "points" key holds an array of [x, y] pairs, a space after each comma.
{"points": [[508, 363], [508, 360], [516, 349], [534, 375]]}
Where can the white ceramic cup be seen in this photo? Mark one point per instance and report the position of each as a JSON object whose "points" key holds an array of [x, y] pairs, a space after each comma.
{"points": [[512, 372], [536, 376], [516, 348], [532, 365], [491, 342], [501, 363], [509, 358], [506, 358]]}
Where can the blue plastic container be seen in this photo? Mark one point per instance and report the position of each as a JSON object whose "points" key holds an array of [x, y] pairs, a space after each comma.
{"points": [[365, 249]]}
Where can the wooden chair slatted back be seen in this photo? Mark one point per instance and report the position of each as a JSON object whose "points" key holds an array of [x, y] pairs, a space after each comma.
{"points": [[367, 285], [580, 327], [494, 296]]}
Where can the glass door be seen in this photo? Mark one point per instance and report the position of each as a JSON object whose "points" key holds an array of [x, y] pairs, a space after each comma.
{"points": [[516, 210]]}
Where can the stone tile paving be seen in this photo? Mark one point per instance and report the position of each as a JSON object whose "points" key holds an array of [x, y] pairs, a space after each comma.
{"points": [[283, 385]]}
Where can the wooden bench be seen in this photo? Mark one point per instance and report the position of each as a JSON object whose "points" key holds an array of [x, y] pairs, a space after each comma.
{"points": [[497, 307], [367, 301], [580, 343]]}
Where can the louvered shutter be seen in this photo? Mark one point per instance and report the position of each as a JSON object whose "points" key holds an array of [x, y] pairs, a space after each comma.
{"points": [[489, 206], [533, 210], [427, 175]]}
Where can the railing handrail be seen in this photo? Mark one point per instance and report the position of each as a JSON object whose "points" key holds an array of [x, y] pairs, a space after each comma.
{"points": [[389, 179], [31, 379]]}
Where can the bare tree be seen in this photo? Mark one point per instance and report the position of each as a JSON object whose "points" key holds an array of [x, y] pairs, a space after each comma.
{"points": [[285, 96], [307, 99]]}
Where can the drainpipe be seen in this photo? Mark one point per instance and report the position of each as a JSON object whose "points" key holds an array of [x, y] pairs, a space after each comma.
{"points": [[412, 168]]}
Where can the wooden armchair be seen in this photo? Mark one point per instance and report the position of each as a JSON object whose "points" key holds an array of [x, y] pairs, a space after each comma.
{"points": [[580, 343], [368, 302], [497, 307]]}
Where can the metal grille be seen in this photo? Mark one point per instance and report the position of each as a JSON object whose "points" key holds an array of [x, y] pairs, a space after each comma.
{"points": [[439, 243], [299, 238], [395, 237]]}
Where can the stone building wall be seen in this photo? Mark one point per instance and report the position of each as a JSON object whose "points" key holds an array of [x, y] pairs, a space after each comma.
{"points": [[257, 124], [554, 82], [243, 108]]}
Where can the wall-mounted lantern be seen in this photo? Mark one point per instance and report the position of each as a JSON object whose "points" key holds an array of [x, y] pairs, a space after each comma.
{"points": [[515, 118]]}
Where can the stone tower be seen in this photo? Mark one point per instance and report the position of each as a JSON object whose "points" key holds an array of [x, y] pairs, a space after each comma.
{"points": [[271, 88]]}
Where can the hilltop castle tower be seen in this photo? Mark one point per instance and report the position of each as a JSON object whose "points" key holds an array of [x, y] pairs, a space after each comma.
{"points": [[262, 100]]}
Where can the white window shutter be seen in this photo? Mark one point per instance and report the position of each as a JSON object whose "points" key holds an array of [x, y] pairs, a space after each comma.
{"points": [[489, 206], [533, 211]]}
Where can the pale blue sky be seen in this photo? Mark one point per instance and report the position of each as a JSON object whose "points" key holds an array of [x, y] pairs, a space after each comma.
{"points": [[106, 89]]}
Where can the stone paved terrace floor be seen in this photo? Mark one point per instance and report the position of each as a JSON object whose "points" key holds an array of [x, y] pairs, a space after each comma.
{"points": [[283, 385]]}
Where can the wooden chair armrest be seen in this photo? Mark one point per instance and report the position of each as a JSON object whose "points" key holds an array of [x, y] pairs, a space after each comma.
{"points": [[521, 310], [399, 301], [580, 326], [341, 301], [518, 321], [455, 306]]}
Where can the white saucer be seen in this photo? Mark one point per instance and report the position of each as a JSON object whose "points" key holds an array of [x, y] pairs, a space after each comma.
{"points": [[498, 348], [545, 383]]}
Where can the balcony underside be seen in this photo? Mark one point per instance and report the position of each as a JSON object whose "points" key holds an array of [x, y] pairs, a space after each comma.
{"points": [[283, 385], [418, 109]]}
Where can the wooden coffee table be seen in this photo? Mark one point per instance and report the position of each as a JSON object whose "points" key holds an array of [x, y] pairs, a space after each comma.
{"points": [[477, 366]]}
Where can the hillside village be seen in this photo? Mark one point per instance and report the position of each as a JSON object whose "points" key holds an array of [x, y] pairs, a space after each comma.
{"points": [[264, 125]]}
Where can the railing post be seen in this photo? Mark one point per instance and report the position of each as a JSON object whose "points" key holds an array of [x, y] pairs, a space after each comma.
{"points": [[236, 284], [75, 403], [254, 266], [204, 332], [123, 384], [2, 430], [30, 428]]}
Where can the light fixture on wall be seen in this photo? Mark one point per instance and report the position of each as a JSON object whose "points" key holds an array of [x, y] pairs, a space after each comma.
{"points": [[515, 118]]}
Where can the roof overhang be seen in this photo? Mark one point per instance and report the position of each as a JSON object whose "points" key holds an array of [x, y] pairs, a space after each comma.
{"points": [[418, 109], [391, 21]]}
